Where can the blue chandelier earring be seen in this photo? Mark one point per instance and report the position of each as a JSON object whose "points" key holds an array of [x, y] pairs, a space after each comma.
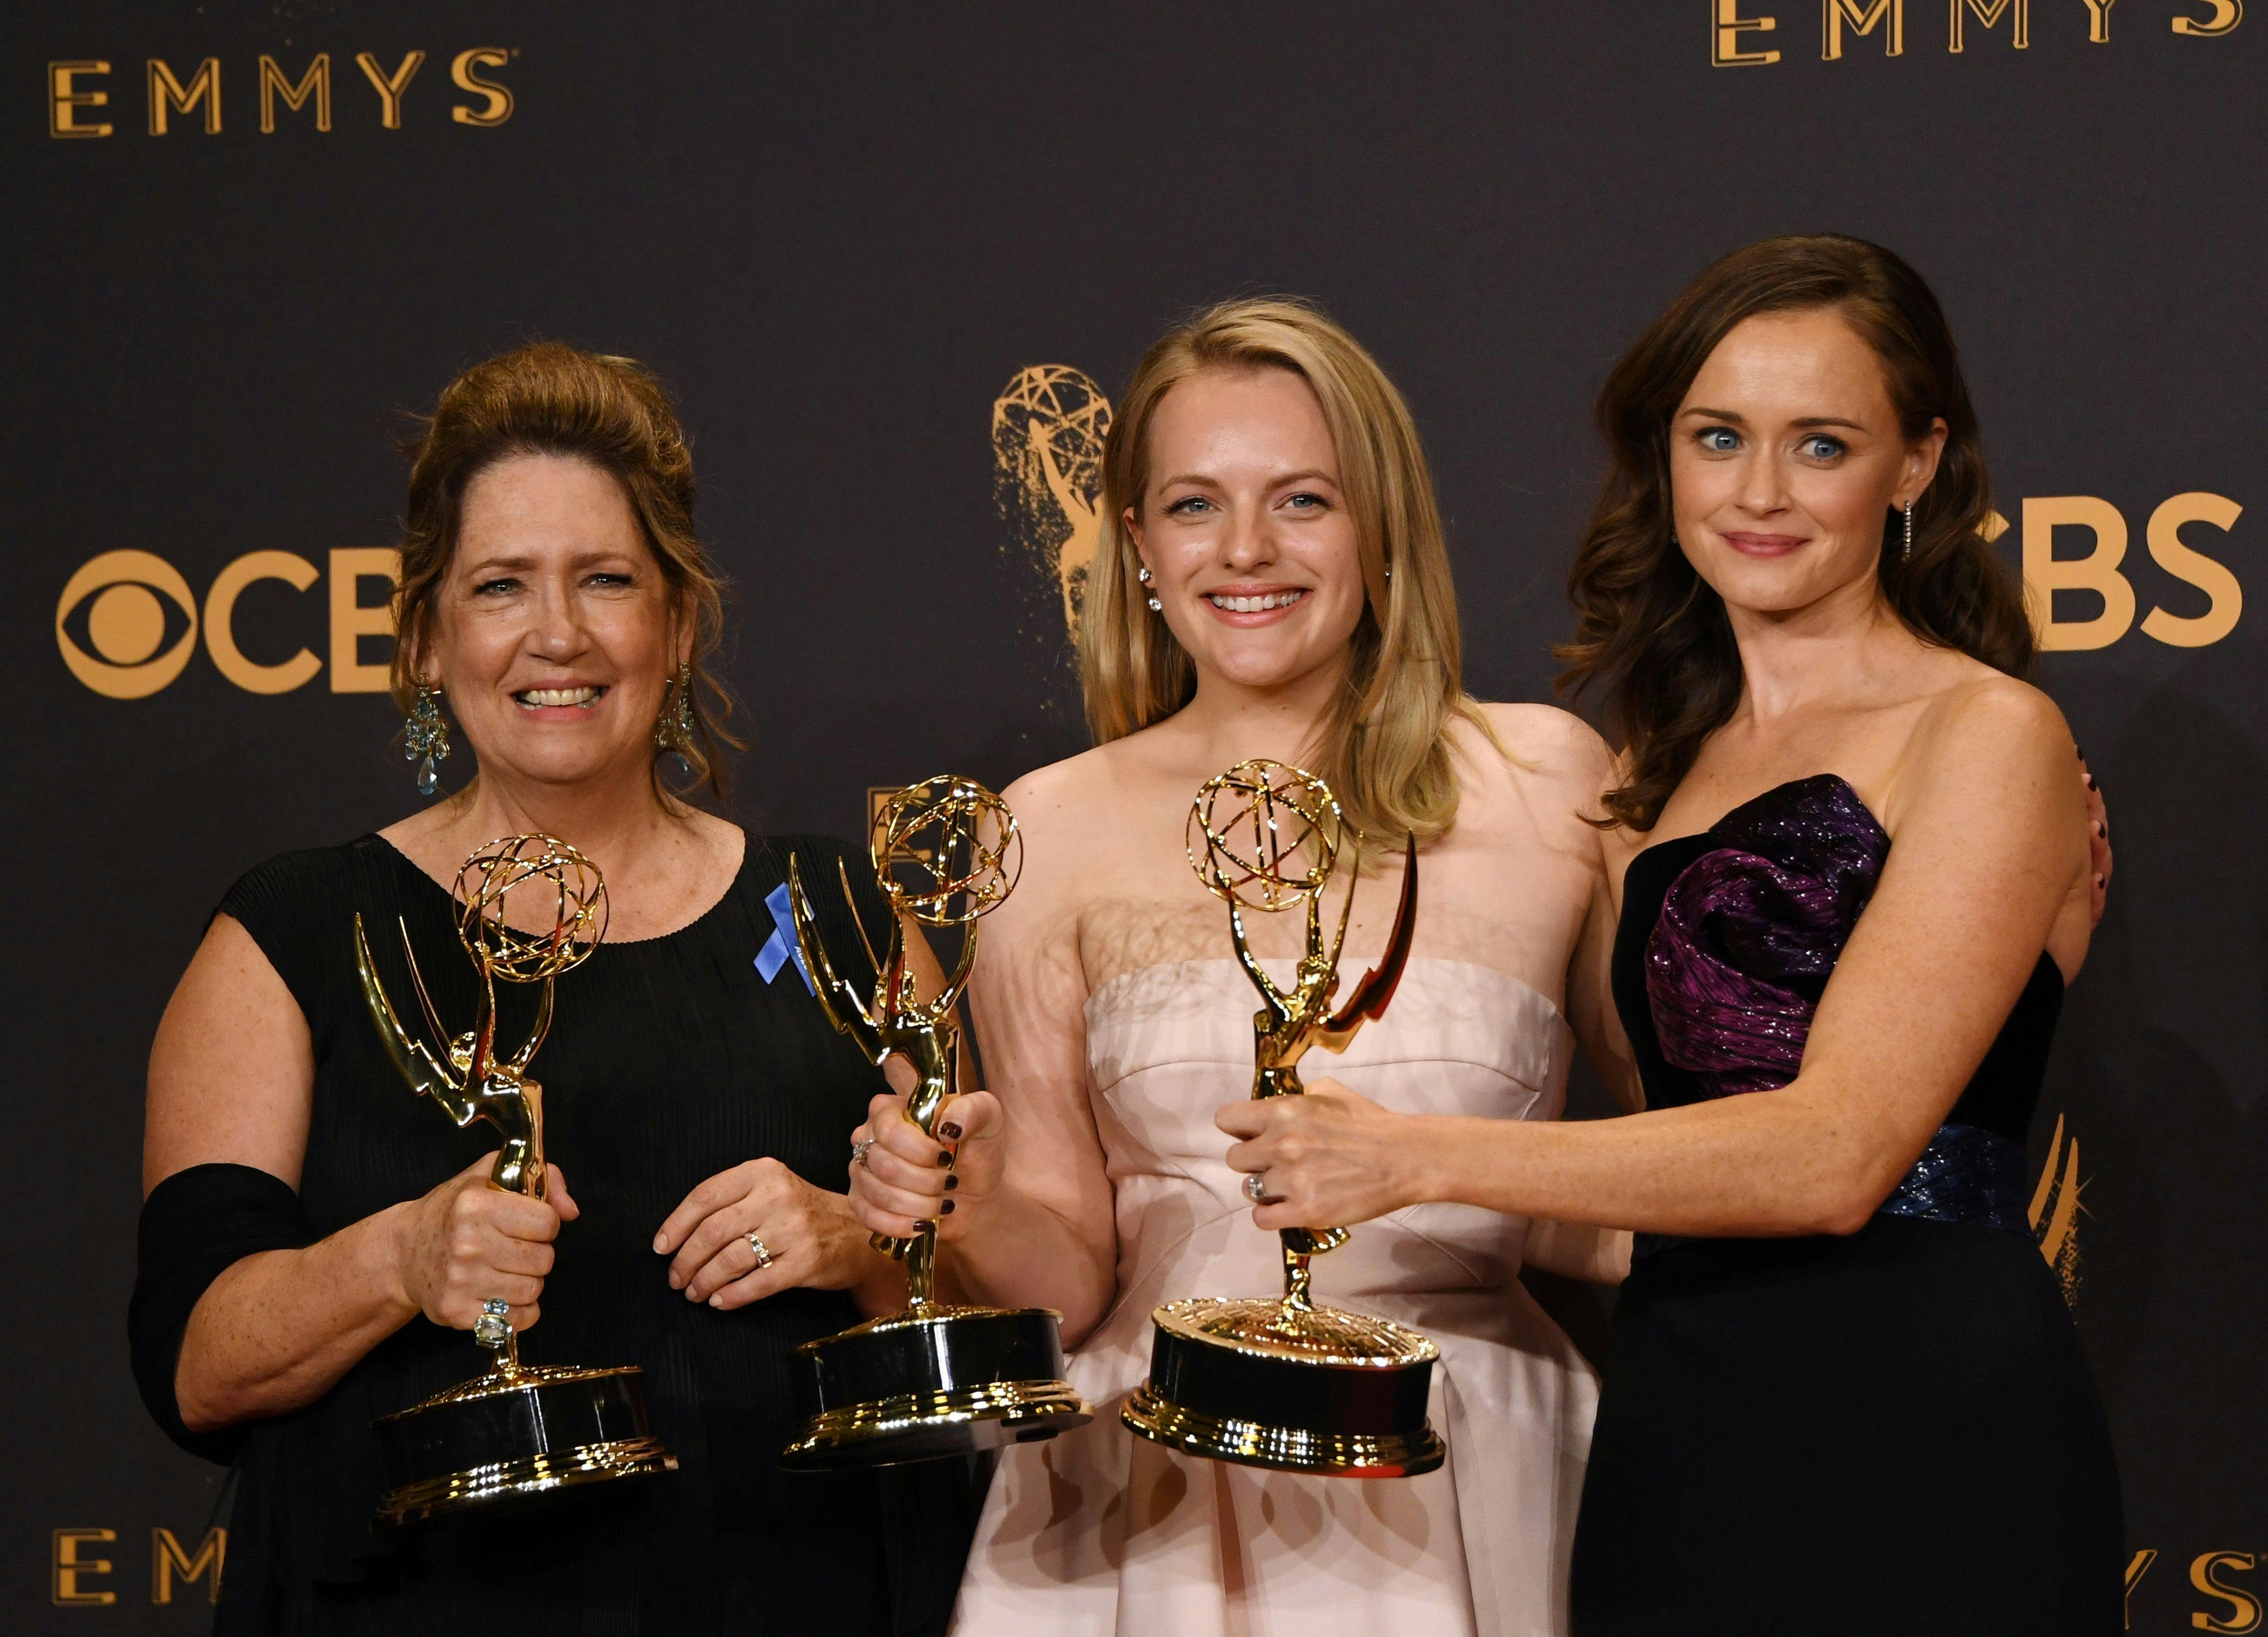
{"points": [[675, 730], [425, 737]]}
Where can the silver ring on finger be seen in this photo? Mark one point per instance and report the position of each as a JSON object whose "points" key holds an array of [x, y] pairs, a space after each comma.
{"points": [[756, 1243], [859, 1148], [1255, 1189], [493, 1327]]}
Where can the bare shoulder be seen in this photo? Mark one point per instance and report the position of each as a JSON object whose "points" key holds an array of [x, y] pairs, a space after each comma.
{"points": [[1540, 750], [1067, 794], [1988, 750], [1987, 718], [1068, 812], [1546, 734]]}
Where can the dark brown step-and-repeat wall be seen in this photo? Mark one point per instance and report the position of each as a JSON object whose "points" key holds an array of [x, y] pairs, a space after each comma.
{"points": [[896, 260]]}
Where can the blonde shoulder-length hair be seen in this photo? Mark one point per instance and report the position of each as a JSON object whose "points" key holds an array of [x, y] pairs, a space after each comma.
{"points": [[1384, 746]]}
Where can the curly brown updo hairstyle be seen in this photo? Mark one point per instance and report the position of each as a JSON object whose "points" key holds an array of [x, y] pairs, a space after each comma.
{"points": [[549, 398], [1650, 635]]}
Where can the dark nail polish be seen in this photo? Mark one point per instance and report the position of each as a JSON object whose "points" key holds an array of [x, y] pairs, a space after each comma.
{"points": [[947, 1211], [951, 1182], [950, 1131], [944, 1157]]}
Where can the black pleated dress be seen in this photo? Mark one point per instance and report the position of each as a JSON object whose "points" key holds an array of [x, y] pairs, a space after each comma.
{"points": [[670, 1060], [1887, 1435]]}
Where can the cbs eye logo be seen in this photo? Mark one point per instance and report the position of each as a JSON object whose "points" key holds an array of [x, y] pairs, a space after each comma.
{"points": [[127, 623], [123, 604]]}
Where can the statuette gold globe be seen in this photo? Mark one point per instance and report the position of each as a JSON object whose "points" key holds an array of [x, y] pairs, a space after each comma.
{"points": [[945, 850], [1265, 835], [575, 894]]}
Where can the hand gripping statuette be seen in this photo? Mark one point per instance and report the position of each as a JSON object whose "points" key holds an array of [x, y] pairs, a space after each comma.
{"points": [[1280, 1382], [937, 1379], [520, 1430]]}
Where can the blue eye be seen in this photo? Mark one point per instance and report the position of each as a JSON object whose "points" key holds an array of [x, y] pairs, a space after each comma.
{"points": [[1189, 503], [1308, 501], [1718, 440], [1819, 447], [488, 586]]}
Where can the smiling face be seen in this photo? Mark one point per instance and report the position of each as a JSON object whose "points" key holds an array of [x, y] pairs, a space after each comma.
{"points": [[1785, 457], [552, 628], [1245, 527]]}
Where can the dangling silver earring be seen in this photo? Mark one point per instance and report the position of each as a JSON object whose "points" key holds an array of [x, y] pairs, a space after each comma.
{"points": [[674, 729], [425, 737], [1905, 546], [1147, 578]]}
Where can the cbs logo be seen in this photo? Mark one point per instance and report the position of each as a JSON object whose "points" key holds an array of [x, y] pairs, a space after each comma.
{"points": [[128, 623], [2103, 573]]}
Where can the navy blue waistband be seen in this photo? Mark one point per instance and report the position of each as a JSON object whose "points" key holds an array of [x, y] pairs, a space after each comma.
{"points": [[1966, 1174]]}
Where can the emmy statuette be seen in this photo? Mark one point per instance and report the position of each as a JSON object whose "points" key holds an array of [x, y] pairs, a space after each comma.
{"points": [[519, 1431], [1282, 1382], [937, 1379]]}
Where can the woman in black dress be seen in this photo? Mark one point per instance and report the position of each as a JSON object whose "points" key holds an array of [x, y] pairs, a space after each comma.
{"points": [[317, 1239], [1843, 1392]]}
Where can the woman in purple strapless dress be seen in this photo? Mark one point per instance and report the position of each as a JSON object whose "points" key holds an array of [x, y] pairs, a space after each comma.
{"points": [[1843, 1392]]}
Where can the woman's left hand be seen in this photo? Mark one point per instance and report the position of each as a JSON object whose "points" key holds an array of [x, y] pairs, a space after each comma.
{"points": [[1329, 1159], [809, 1234]]}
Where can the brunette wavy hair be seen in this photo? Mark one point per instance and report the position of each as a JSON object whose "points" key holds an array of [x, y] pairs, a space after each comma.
{"points": [[1651, 637], [550, 399]]}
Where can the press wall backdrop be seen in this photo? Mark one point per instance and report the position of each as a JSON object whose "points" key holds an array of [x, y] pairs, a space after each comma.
{"points": [[896, 261]]}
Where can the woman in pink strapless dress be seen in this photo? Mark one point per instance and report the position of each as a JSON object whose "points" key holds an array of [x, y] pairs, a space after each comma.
{"points": [[1103, 1531], [1270, 580]]}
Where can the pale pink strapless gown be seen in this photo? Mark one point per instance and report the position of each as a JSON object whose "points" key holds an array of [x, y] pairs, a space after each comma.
{"points": [[1101, 1531]]}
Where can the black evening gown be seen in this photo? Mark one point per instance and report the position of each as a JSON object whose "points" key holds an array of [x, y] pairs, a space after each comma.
{"points": [[1886, 1435], [670, 1060]]}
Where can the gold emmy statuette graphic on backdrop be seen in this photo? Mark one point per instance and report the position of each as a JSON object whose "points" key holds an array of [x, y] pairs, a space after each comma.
{"points": [[1048, 428], [2055, 1209], [520, 1430], [937, 1379], [1279, 1381]]}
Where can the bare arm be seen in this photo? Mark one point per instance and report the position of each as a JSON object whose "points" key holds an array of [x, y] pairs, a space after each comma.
{"points": [[1591, 1000], [1990, 843], [232, 1079], [1586, 1250], [1026, 1205]]}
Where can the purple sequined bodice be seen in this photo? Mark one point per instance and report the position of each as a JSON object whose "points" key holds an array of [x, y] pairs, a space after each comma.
{"points": [[1726, 966], [1751, 930]]}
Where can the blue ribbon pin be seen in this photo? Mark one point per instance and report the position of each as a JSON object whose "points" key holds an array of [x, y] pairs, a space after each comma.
{"points": [[781, 947]]}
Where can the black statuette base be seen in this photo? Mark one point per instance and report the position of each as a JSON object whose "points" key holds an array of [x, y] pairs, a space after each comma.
{"points": [[1211, 1398], [929, 1384], [514, 1437]]}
